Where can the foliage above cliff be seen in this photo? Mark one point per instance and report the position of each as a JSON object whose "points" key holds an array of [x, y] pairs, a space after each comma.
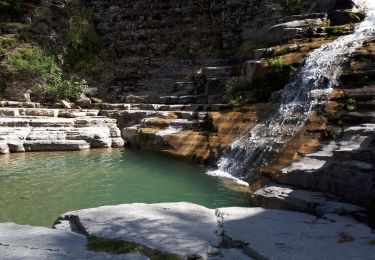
{"points": [[43, 71], [81, 39]]}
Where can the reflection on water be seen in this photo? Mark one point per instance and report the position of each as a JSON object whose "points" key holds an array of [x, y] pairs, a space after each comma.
{"points": [[36, 187]]}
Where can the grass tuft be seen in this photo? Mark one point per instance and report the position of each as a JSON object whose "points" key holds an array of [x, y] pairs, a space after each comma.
{"points": [[116, 246]]}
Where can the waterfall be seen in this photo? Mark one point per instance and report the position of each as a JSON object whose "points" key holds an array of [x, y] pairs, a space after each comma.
{"points": [[308, 91]]}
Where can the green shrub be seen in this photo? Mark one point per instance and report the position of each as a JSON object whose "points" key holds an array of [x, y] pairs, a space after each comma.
{"points": [[349, 104], [236, 90], [43, 71], [6, 43], [239, 102], [239, 86], [278, 64], [81, 38], [113, 246], [334, 30], [116, 246]]}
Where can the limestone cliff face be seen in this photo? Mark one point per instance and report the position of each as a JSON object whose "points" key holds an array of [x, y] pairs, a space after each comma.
{"points": [[154, 51], [158, 48]]}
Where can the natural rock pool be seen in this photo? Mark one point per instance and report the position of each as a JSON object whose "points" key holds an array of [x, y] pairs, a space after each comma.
{"points": [[36, 188]]}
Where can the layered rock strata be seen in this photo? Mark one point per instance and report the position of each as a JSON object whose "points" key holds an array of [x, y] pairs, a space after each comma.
{"points": [[26, 127], [187, 49], [342, 162]]}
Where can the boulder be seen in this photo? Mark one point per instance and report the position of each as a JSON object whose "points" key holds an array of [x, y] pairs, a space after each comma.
{"points": [[291, 30], [16, 146], [83, 101], [96, 100], [65, 104], [340, 17], [26, 97], [255, 69]]}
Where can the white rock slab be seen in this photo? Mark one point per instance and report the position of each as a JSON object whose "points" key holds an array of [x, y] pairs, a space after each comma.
{"points": [[27, 242], [181, 228], [40, 133], [276, 234]]}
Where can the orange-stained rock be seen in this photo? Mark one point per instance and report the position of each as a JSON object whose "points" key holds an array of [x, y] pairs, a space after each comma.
{"points": [[193, 141]]}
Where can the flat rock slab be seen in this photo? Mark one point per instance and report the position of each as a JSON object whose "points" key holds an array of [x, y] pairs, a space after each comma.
{"points": [[27, 242], [276, 196], [182, 228], [276, 234]]}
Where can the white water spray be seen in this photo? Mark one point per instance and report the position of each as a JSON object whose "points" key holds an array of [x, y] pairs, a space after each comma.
{"points": [[310, 89]]}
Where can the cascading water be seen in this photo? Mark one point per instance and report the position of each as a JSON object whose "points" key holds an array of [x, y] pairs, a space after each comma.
{"points": [[304, 95]]}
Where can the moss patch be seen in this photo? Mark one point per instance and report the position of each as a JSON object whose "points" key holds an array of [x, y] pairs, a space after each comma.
{"points": [[334, 30], [347, 103], [112, 246], [117, 246]]}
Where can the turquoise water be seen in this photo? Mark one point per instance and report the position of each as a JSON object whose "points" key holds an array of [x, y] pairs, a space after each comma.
{"points": [[35, 188]]}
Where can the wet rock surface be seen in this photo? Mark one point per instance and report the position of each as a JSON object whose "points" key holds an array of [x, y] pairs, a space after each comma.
{"points": [[342, 163]]}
